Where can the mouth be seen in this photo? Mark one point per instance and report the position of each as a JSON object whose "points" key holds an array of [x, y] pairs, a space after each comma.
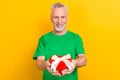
{"points": [[59, 25]]}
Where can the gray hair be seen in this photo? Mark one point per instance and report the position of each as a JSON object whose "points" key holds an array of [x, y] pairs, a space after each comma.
{"points": [[58, 5]]}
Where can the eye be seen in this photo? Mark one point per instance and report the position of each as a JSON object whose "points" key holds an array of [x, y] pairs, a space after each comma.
{"points": [[56, 17], [63, 17]]}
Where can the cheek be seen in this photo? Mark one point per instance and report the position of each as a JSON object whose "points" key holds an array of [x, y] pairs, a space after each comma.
{"points": [[64, 20], [54, 20]]}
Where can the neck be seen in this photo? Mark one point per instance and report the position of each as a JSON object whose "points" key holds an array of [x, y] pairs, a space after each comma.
{"points": [[59, 32]]}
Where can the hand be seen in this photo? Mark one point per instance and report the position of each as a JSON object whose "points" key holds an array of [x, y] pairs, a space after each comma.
{"points": [[48, 67], [68, 71]]}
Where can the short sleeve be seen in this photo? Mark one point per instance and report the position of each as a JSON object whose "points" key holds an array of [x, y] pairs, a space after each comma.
{"points": [[79, 49], [40, 50]]}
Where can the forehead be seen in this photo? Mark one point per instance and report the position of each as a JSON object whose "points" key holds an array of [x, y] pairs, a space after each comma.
{"points": [[59, 11]]}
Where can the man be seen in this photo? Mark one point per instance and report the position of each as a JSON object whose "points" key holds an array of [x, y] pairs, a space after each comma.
{"points": [[60, 42]]}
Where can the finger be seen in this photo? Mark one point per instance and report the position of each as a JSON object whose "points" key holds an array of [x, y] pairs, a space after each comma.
{"points": [[55, 73], [64, 72], [74, 63], [67, 71], [47, 63], [49, 69], [58, 73]]}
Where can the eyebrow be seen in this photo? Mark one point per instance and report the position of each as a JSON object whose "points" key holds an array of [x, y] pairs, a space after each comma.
{"points": [[60, 16]]}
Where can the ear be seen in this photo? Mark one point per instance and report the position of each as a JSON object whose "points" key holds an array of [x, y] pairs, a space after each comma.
{"points": [[51, 17], [67, 17]]}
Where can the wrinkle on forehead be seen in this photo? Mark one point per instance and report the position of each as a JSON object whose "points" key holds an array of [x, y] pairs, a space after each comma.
{"points": [[59, 12]]}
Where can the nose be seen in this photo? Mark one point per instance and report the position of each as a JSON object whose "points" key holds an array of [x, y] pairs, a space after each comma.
{"points": [[59, 20]]}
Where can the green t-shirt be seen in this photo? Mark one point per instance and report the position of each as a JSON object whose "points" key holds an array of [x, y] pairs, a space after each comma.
{"points": [[50, 44]]}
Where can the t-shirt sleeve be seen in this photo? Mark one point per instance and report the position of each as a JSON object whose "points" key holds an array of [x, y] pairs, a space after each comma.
{"points": [[79, 49], [40, 50]]}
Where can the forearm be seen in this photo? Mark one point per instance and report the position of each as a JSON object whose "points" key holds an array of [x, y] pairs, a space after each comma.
{"points": [[41, 64], [81, 61]]}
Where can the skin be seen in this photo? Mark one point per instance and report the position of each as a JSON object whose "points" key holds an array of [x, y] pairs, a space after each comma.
{"points": [[59, 18]]}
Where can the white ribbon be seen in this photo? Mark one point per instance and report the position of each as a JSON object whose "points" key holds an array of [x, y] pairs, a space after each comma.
{"points": [[58, 59]]}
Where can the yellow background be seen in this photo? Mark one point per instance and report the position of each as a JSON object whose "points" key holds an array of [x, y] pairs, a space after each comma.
{"points": [[24, 21]]}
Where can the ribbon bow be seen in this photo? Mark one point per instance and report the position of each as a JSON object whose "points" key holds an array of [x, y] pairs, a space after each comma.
{"points": [[61, 62]]}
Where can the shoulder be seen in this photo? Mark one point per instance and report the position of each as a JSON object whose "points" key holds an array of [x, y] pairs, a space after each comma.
{"points": [[47, 34], [74, 34], [44, 36]]}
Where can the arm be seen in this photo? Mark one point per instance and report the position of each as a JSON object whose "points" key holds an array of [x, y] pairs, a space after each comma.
{"points": [[80, 61], [40, 63], [44, 65]]}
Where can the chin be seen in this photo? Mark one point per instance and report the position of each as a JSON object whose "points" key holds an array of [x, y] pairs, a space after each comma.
{"points": [[59, 29]]}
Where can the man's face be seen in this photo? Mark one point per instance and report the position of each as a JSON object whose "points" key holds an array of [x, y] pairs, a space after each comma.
{"points": [[59, 18]]}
